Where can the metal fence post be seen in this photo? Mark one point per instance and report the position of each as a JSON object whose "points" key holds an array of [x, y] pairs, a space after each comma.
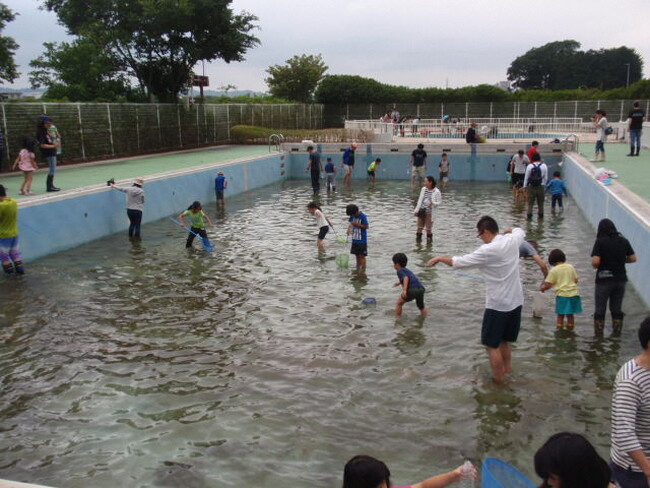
{"points": [[81, 132], [110, 128], [4, 126], [159, 128], [198, 130], [575, 112], [137, 127], [180, 132], [621, 117]]}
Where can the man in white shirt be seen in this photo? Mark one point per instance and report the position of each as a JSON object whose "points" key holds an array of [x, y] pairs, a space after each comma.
{"points": [[535, 184], [518, 165], [498, 259]]}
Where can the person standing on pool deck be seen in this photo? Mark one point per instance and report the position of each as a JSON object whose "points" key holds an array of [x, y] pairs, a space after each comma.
{"points": [[48, 149], [498, 259], [348, 163], [418, 163], [134, 205], [600, 123], [9, 250], [358, 229], [314, 166], [220, 184], [635, 119]]}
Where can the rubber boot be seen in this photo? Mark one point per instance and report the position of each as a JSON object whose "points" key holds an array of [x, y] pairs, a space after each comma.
{"points": [[50, 184], [8, 268], [18, 266], [429, 237], [599, 327], [418, 236], [618, 327]]}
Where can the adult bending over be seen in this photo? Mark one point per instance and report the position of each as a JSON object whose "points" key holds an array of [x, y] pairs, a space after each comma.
{"points": [[610, 253], [498, 258]]}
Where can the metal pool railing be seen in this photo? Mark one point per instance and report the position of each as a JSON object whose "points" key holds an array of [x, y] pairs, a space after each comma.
{"points": [[492, 128]]}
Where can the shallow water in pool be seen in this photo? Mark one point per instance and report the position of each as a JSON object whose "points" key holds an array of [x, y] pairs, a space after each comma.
{"points": [[148, 365]]}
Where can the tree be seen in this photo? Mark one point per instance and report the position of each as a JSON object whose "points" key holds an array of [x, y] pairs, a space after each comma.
{"points": [[298, 79], [541, 67], [8, 69], [560, 65], [81, 72], [160, 41]]}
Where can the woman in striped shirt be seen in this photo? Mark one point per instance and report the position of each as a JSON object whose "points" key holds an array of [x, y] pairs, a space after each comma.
{"points": [[630, 450]]}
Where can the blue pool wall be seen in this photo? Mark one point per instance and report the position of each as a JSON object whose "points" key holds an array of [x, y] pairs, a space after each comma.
{"points": [[598, 202], [470, 162], [69, 220]]}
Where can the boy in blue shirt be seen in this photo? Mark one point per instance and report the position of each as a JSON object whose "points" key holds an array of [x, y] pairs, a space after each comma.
{"points": [[330, 171], [557, 189], [220, 184], [412, 289], [358, 229]]}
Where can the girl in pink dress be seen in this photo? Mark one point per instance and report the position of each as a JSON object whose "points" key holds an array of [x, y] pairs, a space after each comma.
{"points": [[26, 161]]}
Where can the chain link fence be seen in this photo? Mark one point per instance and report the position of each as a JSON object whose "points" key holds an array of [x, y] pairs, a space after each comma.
{"points": [[92, 131], [336, 115]]}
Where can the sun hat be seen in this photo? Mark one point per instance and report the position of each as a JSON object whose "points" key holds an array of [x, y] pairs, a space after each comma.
{"points": [[45, 119], [139, 181], [353, 145]]}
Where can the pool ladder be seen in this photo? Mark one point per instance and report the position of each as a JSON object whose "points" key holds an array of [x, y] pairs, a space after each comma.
{"points": [[275, 142], [572, 139]]}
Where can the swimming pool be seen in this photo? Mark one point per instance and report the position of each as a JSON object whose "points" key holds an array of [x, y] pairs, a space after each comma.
{"points": [[147, 365]]}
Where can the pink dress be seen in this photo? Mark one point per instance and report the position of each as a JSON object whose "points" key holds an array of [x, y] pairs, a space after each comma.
{"points": [[25, 163]]}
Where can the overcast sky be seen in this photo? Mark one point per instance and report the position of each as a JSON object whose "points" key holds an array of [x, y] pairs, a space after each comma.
{"points": [[420, 43]]}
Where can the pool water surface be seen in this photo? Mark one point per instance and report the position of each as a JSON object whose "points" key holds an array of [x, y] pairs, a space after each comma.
{"points": [[145, 364]]}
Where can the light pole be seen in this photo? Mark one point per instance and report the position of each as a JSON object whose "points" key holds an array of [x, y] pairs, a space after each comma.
{"points": [[627, 80]]}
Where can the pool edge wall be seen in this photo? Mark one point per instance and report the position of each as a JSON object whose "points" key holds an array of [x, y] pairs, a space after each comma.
{"points": [[58, 222], [598, 202]]}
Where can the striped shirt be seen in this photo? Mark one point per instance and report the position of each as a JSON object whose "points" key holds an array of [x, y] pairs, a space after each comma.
{"points": [[630, 414]]}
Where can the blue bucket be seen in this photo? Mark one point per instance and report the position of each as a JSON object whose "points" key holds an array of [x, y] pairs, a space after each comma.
{"points": [[499, 474]]}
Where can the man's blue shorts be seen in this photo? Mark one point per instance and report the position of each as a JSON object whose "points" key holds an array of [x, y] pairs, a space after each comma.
{"points": [[500, 327]]}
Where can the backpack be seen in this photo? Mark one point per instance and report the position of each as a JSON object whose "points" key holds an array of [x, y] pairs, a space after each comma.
{"points": [[609, 130], [535, 176]]}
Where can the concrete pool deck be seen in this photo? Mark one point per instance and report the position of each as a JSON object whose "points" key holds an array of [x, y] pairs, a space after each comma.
{"points": [[633, 172], [74, 177]]}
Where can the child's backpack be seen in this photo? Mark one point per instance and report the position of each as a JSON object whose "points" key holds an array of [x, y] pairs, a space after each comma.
{"points": [[535, 176]]}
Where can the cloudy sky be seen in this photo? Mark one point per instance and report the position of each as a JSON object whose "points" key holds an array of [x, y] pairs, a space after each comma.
{"points": [[420, 43]]}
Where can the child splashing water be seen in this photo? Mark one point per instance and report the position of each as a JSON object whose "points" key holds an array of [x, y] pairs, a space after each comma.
{"points": [[197, 222], [323, 222], [564, 278], [26, 161]]}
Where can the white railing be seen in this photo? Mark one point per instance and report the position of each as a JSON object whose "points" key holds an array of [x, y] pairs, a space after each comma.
{"points": [[497, 128]]}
